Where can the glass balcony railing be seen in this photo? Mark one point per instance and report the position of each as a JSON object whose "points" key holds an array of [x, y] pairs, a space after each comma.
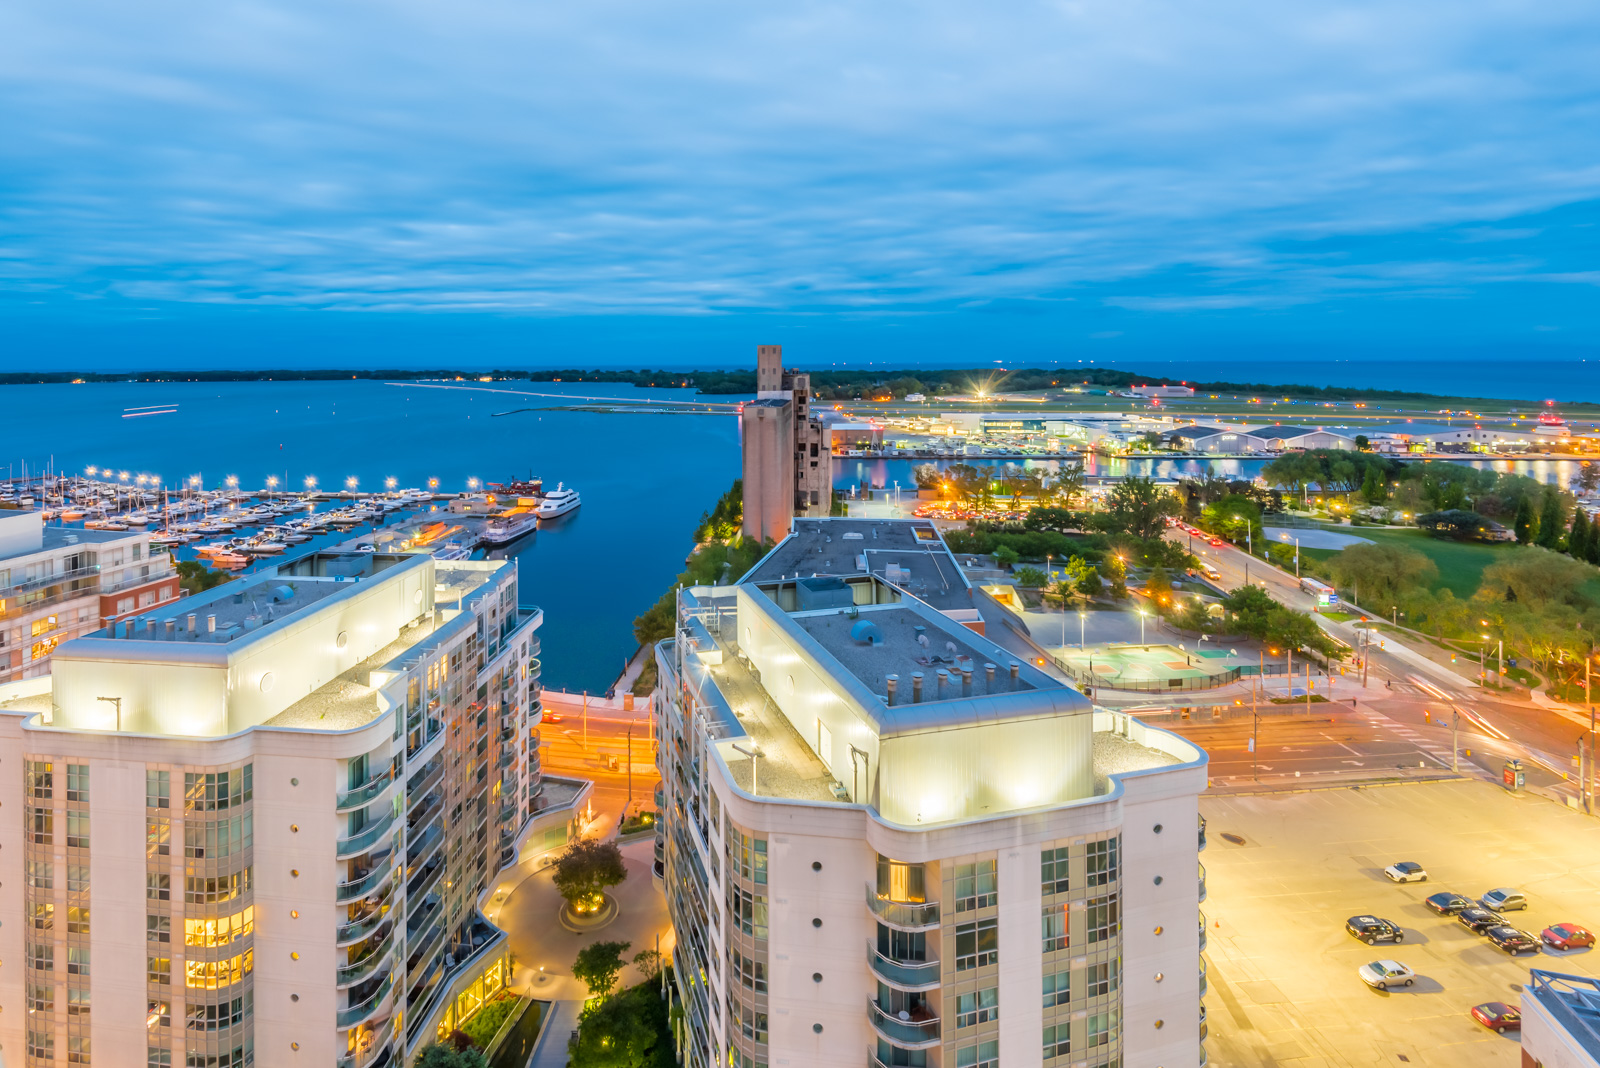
{"points": [[349, 1017], [1202, 832], [1202, 932], [356, 930], [365, 838], [360, 887], [908, 1032], [1202, 977], [376, 1055], [351, 974], [907, 975], [1202, 882], [364, 793], [902, 914]]}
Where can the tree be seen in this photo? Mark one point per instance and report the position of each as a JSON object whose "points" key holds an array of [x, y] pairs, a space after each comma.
{"points": [[1364, 445], [658, 621], [585, 870], [1382, 572], [598, 965], [1196, 617], [1535, 579], [1006, 556], [195, 577], [1457, 523], [1089, 584], [1234, 516], [1158, 587], [630, 1030], [1136, 505], [1030, 577], [1070, 482], [1578, 537], [648, 961], [437, 1055], [1589, 477], [927, 476], [1524, 523], [1551, 521], [1373, 490], [1058, 520]]}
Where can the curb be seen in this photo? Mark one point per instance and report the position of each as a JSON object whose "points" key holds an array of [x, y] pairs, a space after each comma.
{"points": [[1348, 784]]}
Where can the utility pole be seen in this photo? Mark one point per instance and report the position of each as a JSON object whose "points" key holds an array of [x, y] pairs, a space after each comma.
{"points": [[586, 719], [1455, 744], [629, 805], [1255, 715]]}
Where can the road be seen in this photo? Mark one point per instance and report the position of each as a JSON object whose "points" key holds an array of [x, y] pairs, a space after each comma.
{"points": [[1419, 699], [600, 754]]}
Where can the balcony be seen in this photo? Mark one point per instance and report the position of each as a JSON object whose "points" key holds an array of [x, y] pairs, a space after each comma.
{"points": [[362, 886], [357, 929], [906, 975], [355, 1014], [909, 1033], [1202, 832], [354, 973], [425, 880], [375, 1055], [421, 814], [365, 838], [1202, 977], [363, 794], [903, 915], [424, 947], [1202, 932], [1202, 882], [426, 779], [417, 849], [506, 757]]}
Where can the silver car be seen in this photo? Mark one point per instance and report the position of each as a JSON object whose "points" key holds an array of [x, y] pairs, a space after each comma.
{"points": [[1504, 899]]}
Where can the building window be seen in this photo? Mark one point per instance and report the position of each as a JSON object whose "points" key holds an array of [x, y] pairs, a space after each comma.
{"points": [[44, 827], [1102, 978], [157, 836], [983, 1055], [220, 930], [41, 779], [77, 1001], [1102, 866], [42, 1044], [77, 878], [975, 886], [214, 791], [752, 973], [41, 997], [159, 1014], [77, 829], [41, 958], [901, 882], [78, 922], [217, 838], [77, 1049], [749, 911], [977, 944], [78, 784], [1102, 1025], [1057, 1040], [1057, 989], [158, 970], [217, 1017], [41, 875], [213, 974], [77, 960], [44, 916], [747, 1020], [747, 856], [1102, 920], [158, 886], [978, 1007], [159, 928], [157, 789], [1055, 928], [157, 1057], [1053, 871]]}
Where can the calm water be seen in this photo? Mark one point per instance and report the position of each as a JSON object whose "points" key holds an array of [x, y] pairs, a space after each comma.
{"points": [[645, 478]]}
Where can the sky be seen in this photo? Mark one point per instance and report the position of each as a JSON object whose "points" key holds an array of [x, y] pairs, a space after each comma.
{"points": [[359, 184]]}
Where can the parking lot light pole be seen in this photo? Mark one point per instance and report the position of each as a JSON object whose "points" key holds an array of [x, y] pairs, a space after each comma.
{"points": [[1255, 715], [1081, 617], [1455, 744]]}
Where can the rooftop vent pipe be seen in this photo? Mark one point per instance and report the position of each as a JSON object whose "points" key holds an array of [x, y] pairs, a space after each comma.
{"points": [[988, 676], [211, 624], [1016, 670], [893, 684], [944, 680], [916, 687], [171, 626], [149, 627], [190, 622], [966, 678]]}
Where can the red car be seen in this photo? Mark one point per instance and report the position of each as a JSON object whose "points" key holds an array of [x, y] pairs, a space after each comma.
{"points": [[1566, 936], [1498, 1017], [1216, 542]]}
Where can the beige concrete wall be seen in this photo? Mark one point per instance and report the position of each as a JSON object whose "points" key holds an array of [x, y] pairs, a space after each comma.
{"points": [[768, 472]]}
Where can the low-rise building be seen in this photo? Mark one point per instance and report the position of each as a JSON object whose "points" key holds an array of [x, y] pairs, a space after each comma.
{"points": [[1560, 1021], [57, 583], [887, 841], [313, 772]]}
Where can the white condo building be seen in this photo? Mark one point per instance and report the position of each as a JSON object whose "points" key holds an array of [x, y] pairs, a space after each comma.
{"points": [[888, 842], [255, 828]]}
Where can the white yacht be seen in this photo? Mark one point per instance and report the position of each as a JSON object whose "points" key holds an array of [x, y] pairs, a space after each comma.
{"points": [[559, 501], [508, 526]]}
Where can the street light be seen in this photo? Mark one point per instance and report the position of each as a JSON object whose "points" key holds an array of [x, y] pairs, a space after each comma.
{"points": [[311, 482], [351, 483], [1142, 614], [1081, 617], [472, 483], [391, 482]]}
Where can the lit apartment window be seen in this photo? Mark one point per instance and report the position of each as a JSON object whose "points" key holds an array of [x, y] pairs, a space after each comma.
{"points": [[1102, 918], [78, 921], [1102, 978], [975, 886], [1053, 871], [980, 1006], [44, 916], [215, 790], [159, 1014], [1057, 988], [977, 944], [41, 779], [43, 626], [212, 974], [983, 1055], [1102, 866], [902, 882], [1054, 926], [157, 836], [220, 930], [158, 970], [1057, 1040]]}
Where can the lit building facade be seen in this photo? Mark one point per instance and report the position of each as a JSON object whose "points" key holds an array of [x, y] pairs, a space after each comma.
{"points": [[887, 841], [57, 583], [313, 773], [786, 451]]}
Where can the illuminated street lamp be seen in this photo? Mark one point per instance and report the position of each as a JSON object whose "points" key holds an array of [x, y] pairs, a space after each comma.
{"points": [[351, 483], [232, 481], [311, 482], [472, 483], [433, 483], [90, 470], [1142, 614], [272, 482], [390, 482], [1081, 617]]}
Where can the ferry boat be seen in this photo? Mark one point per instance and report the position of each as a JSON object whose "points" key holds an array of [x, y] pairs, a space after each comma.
{"points": [[559, 502], [451, 550], [508, 526]]}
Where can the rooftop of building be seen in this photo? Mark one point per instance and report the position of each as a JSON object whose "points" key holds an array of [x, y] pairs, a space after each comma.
{"points": [[1197, 430], [350, 699], [906, 553], [1573, 1001], [1276, 431]]}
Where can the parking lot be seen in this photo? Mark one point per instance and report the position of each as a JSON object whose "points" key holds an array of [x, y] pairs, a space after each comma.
{"points": [[1283, 985]]}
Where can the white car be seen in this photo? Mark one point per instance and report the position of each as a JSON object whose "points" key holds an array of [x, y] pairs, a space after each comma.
{"points": [[1382, 974], [1406, 871]]}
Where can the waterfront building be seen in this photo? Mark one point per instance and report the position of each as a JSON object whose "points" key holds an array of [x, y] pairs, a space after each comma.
{"points": [[787, 472], [888, 841], [313, 774], [57, 583]]}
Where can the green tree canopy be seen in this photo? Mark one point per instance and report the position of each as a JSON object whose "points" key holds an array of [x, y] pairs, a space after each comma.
{"points": [[1552, 521], [586, 868], [438, 1055], [1381, 572], [1525, 524], [598, 965], [1234, 516], [1137, 506], [1458, 523], [1535, 579]]}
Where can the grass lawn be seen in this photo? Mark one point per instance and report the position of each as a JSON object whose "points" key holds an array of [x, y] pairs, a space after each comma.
{"points": [[1460, 563]]}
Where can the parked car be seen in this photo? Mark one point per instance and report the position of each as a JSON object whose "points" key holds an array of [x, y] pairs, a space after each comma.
{"points": [[1371, 929], [1498, 1017], [1382, 974], [1406, 871], [1446, 903], [1512, 940], [1479, 920], [1504, 899], [1566, 936]]}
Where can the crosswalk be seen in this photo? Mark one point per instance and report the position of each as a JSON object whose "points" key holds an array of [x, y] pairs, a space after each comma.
{"points": [[1425, 742]]}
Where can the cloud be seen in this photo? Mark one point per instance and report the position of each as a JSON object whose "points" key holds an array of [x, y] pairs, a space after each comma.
{"points": [[710, 158]]}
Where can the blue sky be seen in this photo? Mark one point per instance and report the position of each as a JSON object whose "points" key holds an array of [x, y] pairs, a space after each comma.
{"points": [[406, 183]]}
